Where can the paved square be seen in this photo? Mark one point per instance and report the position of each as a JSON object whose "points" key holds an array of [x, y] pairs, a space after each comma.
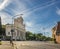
{"points": [[36, 45], [29, 45], [6, 45]]}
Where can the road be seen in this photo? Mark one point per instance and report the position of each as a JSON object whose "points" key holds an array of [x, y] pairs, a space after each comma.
{"points": [[36, 45]]}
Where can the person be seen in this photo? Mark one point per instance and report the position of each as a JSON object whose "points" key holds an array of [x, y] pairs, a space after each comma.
{"points": [[11, 42]]}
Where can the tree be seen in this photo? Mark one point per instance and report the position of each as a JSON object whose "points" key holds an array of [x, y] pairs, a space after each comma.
{"points": [[39, 35], [0, 27], [34, 36], [29, 35], [49, 39], [44, 38]]}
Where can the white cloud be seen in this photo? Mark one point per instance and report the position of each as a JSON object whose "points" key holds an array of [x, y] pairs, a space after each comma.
{"points": [[4, 4], [58, 11], [42, 7], [19, 7], [5, 18], [29, 24], [39, 7], [38, 28]]}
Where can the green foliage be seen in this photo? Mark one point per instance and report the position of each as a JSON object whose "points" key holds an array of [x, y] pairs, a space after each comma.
{"points": [[29, 35], [3, 29], [3, 26], [0, 27], [38, 36]]}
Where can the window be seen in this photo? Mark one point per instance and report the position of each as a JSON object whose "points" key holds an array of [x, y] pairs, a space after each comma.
{"points": [[8, 33], [58, 33]]}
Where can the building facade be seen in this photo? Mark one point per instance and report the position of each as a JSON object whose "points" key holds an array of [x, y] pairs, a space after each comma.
{"points": [[8, 29], [56, 32], [19, 29]]}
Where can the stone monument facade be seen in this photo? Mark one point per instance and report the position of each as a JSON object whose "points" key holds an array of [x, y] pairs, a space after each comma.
{"points": [[19, 29]]}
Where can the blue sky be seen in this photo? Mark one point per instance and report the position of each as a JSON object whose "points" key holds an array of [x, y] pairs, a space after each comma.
{"points": [[39, 15]]}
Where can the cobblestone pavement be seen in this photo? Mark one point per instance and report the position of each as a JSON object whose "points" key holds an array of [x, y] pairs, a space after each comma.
{"points": [[36, 45], [29, 45], [6, 45]]}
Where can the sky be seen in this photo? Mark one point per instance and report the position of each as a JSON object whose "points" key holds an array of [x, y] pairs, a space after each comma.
{"points": [[40, 16]]}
